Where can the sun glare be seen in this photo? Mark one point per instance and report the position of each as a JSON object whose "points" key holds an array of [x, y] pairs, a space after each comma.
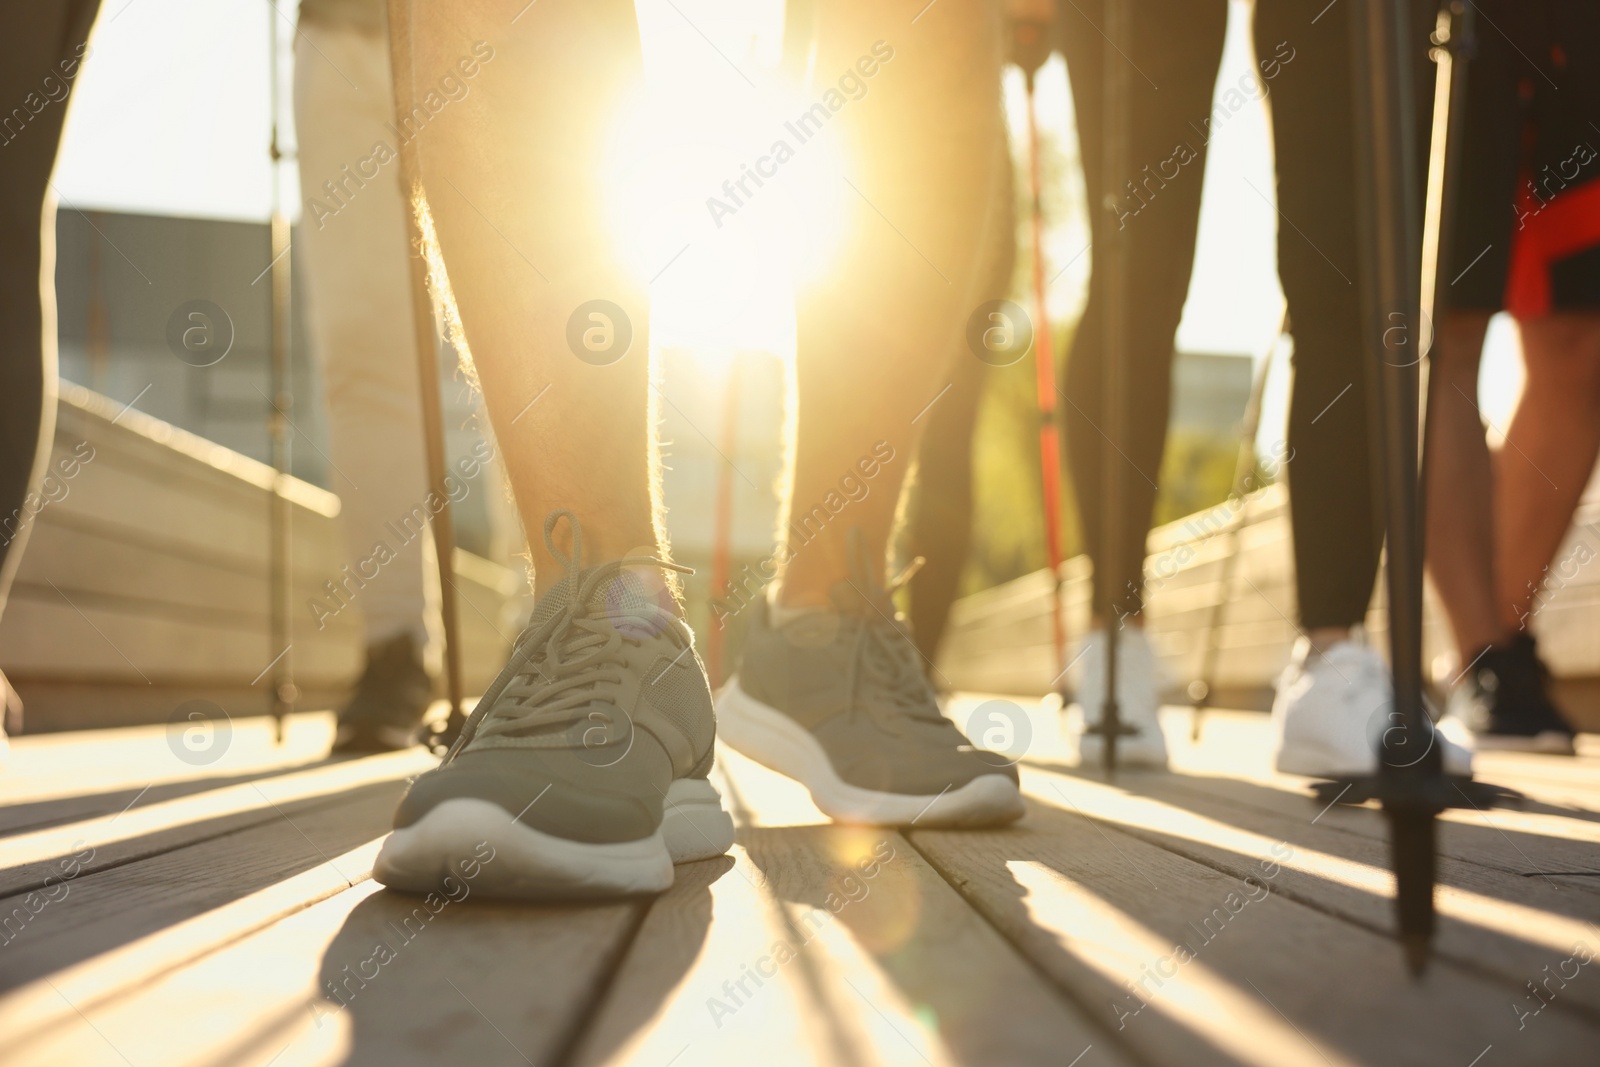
{"points": [[711, 198]]}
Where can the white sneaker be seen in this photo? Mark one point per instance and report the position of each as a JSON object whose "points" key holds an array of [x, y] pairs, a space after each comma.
{"points": [[1331, 710], [1138, 700], [10, 718]]}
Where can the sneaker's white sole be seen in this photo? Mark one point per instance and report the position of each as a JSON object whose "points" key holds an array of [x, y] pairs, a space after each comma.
{"points": [[1315, 761], [1550, 743], [693, 824], [772, 739], [529, 864]]}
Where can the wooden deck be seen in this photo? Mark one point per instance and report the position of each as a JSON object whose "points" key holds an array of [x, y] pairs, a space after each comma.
{"points": [[161, 912]]}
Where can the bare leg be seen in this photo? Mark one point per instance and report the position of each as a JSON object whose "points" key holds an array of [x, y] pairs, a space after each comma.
{"points": [[1461, 487], [939, 511], [511, 173], [939, 508], [874, 336], [1548, 457]]}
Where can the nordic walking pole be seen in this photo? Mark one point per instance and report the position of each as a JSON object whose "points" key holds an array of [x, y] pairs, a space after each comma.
{"points": [[1030, 48], [1113, 363], [281, 546], [1243, 466], [444, 538], [1411, 781], [1384, 173]]}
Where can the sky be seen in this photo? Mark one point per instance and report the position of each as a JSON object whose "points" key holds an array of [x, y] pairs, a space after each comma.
{"points": [[171, 115]]}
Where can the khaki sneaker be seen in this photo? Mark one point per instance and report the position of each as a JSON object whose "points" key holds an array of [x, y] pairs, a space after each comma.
{"points": [[838, 701], [582, 771]]}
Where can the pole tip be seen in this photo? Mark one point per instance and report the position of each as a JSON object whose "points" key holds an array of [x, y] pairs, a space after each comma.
{"points": [[1417, 952]]}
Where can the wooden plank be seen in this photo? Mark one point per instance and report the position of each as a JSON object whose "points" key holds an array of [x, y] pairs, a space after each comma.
{"points": [[1534, 840], [102, 911], [474, 982], [83, 413], [48, 636], [52, 814], [1236, 746], [39, 1008], [49, 640], [1538, 840], [229, 1009], [150, 568], [1259, 979], [107, 768], [1550, 776], [93, 561], [171, 484], [669, 1000], [110, 840], [84, 557], [164, 498], [816, 943], [1230, 766], [1490, 920], [71, 633]]}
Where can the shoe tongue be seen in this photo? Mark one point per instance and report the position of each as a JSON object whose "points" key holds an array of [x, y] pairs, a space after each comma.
{"points": [[889, 658], [622, 592]]}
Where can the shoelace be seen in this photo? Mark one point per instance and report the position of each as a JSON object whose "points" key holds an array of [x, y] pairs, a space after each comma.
{"points": [[571, 660], [886, 658]]}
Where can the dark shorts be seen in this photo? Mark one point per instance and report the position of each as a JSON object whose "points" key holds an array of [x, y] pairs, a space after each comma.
{"points": [[1526, 236]]}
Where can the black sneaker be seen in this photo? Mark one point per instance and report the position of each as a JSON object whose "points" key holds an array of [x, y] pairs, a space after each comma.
{"points": [[389, 702], [838, 701], [582, 770], [1505, 702]]}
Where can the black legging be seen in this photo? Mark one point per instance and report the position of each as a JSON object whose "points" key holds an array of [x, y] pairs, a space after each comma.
{"points": [[1334, 499], [1177, 44], [1176, 48], [39, 38]]}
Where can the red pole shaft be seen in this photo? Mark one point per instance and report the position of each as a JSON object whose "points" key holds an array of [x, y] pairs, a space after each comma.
{"points": [[1044, 359]]}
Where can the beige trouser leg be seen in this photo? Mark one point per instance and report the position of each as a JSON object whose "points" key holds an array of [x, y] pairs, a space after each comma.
{"points": [[357, 288]]}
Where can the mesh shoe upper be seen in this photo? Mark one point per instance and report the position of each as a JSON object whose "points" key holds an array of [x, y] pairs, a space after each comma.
{"points": [[1508, 693], [601, 705], [854, 679], [1334, 715]]}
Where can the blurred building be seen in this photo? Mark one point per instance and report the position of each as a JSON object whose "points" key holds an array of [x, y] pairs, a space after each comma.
{"points": [[1210, 392], [147, 579], [123, 281]]}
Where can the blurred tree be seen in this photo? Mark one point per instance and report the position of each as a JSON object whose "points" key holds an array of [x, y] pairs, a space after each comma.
{"points": [[1196, 473]]}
